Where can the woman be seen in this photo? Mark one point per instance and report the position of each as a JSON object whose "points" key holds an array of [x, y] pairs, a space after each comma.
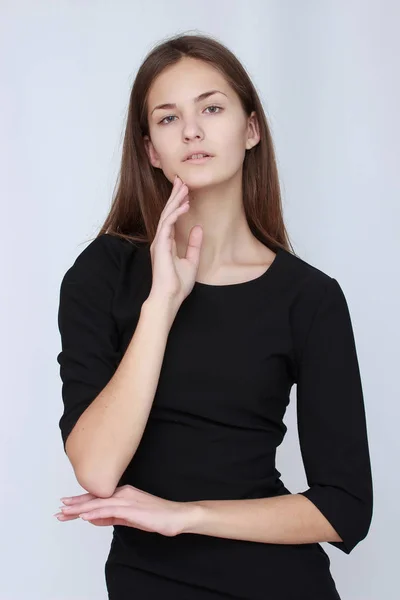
{"points": [[184, 325]]}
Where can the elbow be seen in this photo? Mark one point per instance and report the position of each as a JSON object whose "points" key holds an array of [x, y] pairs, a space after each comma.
{"points": [[90, 477], [349, 514], [355, 528], [96, 486], [361, 514], [94, 480], [365, 517]]}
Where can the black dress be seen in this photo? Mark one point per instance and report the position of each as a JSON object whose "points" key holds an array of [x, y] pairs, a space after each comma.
{"points": [[232, 356]]}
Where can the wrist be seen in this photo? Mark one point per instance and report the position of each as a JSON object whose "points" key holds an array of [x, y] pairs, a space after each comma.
{"points": [[193, 516], [161, 306]]}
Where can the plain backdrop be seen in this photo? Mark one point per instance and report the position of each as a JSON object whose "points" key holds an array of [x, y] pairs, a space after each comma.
{"points": [[328, 76]]}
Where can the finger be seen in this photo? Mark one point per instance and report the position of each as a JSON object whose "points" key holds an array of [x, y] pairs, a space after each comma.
{"points": [[80, 498], [165, 231], [178, 183], [180, 198], [175, 198], [169, 221], [175, 189], [105, 512], [172, 217], [62, 517], [116, 517], [93, 504], [166, 235], [103, 522], [170, 207]]}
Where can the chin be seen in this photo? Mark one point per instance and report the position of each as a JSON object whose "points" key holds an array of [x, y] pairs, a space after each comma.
{"points": [[198, 177], [198, 182]]}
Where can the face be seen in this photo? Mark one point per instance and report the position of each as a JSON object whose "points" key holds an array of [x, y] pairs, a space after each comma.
{"points": [[215, 124]]}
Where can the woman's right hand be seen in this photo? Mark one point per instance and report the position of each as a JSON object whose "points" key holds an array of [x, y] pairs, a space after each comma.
{"points": [[174, 277]]}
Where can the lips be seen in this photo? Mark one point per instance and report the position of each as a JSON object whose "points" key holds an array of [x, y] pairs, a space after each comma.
{"points": [[195, 153]]}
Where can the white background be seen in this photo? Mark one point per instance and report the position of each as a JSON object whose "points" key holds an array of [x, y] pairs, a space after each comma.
{"points": [[328, 75]]}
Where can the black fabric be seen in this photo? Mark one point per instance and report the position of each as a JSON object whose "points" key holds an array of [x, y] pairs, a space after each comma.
{"points": [[232, 356]]}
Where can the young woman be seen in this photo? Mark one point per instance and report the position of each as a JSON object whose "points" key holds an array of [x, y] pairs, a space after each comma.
{"points": [[184, 325]]}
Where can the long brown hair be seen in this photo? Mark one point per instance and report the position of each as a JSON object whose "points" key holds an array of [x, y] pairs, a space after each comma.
{"points": [[141, 190]]}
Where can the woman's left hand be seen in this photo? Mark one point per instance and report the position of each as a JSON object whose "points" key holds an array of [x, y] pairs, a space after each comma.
{"points": [[131, 507]]}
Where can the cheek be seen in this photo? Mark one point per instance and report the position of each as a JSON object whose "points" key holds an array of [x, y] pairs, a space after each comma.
{"points": [[233, 152], [161, 143], [168, 150], [235, 137], [230, 141]]}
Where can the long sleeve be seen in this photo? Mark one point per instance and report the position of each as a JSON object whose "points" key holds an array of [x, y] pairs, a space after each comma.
{"points": [[89, 336], [332, 422]]}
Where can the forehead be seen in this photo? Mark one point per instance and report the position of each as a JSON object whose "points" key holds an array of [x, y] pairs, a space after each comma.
{"points": [[184, 81]]}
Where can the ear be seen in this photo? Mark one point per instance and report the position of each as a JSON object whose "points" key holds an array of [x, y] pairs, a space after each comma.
{"points": [[253, 131], [151, 153]]}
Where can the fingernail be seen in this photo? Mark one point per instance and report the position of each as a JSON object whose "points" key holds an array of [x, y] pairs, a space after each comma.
{"points": [[65, 499]]}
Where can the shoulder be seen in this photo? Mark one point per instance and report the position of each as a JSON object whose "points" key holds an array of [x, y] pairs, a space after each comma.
{"points": [[97, 271], [95, 275], [305, 277], [300, 270], [310, 288], [105, 250], [105, 254], [318, 309]]}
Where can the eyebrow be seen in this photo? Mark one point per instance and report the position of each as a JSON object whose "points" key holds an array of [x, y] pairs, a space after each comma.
{"points": [[199, 98]]}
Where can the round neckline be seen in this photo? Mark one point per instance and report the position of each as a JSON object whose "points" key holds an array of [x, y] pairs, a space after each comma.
{"points": [[242, 284]]}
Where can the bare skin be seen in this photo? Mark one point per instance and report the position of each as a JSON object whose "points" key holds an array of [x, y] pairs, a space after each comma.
{"points": [[218, 125]]}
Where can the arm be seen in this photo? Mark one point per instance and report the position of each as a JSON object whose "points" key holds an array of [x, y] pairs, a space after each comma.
{"points": [[337, 506], [105, 408], [107, 434], [332, 421], [288, 519]]}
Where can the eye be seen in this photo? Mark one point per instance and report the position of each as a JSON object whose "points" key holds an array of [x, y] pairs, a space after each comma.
{"points": [[162, 122], [214, 106]]}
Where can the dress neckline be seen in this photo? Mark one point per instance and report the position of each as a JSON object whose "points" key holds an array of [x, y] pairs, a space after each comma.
{"points": [[243, 284]]}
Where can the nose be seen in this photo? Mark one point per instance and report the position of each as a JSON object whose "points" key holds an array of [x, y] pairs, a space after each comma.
{"points": [[192, 131]]}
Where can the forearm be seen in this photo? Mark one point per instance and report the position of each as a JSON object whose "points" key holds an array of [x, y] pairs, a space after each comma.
{"points": [[288, 519], [106, 436]]}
